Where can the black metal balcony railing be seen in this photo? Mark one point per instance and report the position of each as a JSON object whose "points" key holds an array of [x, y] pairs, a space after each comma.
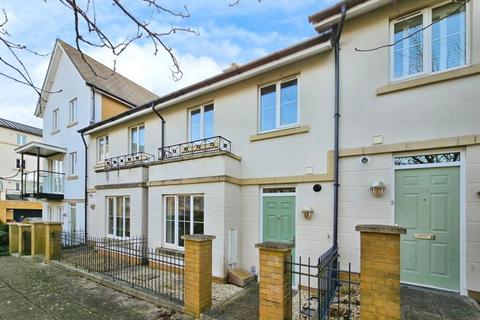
{"points": [[43, 184], [202, 146], [131, 159]]}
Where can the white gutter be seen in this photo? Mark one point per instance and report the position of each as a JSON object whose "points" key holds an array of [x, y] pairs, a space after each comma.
{"points": [[319, 48], [353, 12]]}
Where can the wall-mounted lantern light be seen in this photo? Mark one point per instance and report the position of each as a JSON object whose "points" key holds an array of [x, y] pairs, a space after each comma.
{"points": [[378, 189], [307, 212]]}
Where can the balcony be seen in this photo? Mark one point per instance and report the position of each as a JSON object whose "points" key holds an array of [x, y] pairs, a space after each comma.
{"points": [[128, 160], [42, 184], [195, 148]]}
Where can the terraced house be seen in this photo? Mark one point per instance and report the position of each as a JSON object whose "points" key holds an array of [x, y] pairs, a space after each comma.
{"points": [[77, 92], [256, 153]]}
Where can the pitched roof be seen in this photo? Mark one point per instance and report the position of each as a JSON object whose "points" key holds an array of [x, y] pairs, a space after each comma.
{"points": [[20, 127], [229, 73], [107, 80]]}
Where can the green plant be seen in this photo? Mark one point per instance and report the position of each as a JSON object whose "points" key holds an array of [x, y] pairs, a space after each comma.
{"points": [[3, 234]]}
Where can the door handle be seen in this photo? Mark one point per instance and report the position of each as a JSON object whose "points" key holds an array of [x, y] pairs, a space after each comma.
{"points": [[424, 236]]}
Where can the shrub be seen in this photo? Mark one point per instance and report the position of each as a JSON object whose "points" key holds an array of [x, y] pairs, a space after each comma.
{"points": [[3, 234]]}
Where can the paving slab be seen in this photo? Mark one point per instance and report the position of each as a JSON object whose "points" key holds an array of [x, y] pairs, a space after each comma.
{"points": [[33, 290]]}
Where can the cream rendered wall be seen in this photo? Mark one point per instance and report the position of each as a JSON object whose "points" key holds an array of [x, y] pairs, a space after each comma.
{"points": [[473, 217], [439, 110]]}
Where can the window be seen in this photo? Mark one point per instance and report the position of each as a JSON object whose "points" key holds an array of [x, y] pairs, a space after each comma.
{"points": [[55, 121], [73, 217], [73, 163], [21, 139], [440, 47], [201, 123], [279, 105], [428, 159], [72, 111], [102, 148], [183, 215], [137, 139], [118, 209]]}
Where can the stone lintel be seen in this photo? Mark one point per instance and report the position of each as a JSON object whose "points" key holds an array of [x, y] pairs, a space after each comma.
{"points": [[274, 246], [198, 237], [380, 228]]}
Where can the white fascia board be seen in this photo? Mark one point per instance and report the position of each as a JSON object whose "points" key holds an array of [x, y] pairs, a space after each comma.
{"points": [[319, 48], [352, 13]]}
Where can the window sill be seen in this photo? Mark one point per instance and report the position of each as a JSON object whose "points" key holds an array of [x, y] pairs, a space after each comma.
{"points": [[279, 133], [55, 131], [72, 177], [430, 79], [71, 124]]}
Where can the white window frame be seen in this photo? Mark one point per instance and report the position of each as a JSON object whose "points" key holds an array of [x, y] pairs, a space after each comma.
{"points": [[72, 161], [104, 152], [278, 95], [142, 125], [21, 139], [115, 213], [72, 111], [56, 120], [202, 121], [176, 245], [427, 42]]}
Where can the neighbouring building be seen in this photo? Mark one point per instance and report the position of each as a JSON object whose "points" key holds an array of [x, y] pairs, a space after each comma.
{"points": [[12, 135], [249, 155], [78, 91]]}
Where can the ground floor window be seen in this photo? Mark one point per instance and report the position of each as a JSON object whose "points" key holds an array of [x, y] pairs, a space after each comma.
{"points": [[55, 213], [184, 214], [118, 209]]}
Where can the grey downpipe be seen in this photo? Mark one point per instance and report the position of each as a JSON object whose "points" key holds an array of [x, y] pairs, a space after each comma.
{"points": [[336, 182], [85, 179], [163, 129]]}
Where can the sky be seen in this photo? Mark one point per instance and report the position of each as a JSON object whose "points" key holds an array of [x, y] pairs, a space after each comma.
{"points": [[226, 34]]}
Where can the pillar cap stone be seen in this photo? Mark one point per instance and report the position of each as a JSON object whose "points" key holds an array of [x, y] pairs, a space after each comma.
{"points": [[37, 222], [380, 228], [274, 246], [24, 225], [53, 223], [198, 237]]}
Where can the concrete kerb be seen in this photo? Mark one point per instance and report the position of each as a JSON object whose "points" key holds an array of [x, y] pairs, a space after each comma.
{"points": [[118, 286]]}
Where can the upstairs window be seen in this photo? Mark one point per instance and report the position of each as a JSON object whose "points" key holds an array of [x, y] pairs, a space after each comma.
{"points": [[279, 105], [73, 163], [72, 118], [428, 41], [21, 139], [55, 120], [102, 148], [201, 123], [137, 139]]}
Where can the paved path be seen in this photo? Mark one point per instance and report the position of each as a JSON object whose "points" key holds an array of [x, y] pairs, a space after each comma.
{"points": [[32, 290], [420, 304]]}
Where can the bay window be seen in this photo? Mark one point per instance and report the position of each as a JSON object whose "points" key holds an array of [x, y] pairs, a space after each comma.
{"points": [[137, 139], [428, 41], [118, 209], [279, 105], [184, 214], [201, 122]]}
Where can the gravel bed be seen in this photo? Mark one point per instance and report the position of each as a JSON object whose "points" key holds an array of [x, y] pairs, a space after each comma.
{"points": [[223, 292]]}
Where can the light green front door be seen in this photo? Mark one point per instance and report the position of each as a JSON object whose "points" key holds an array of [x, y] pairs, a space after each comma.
{"points": [[427, 203], [279, 219]]}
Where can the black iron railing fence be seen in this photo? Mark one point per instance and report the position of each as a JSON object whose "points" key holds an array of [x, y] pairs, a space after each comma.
{"points": [[126, 160], [157, 271], [202, 146], [324, 289]]}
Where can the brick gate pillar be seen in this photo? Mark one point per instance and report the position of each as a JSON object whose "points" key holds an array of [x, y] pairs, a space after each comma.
{"points": [[38, 238], [380, 271], [197, 285], [24, 241], [12, 238], [53, 240], [275, 294]]}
